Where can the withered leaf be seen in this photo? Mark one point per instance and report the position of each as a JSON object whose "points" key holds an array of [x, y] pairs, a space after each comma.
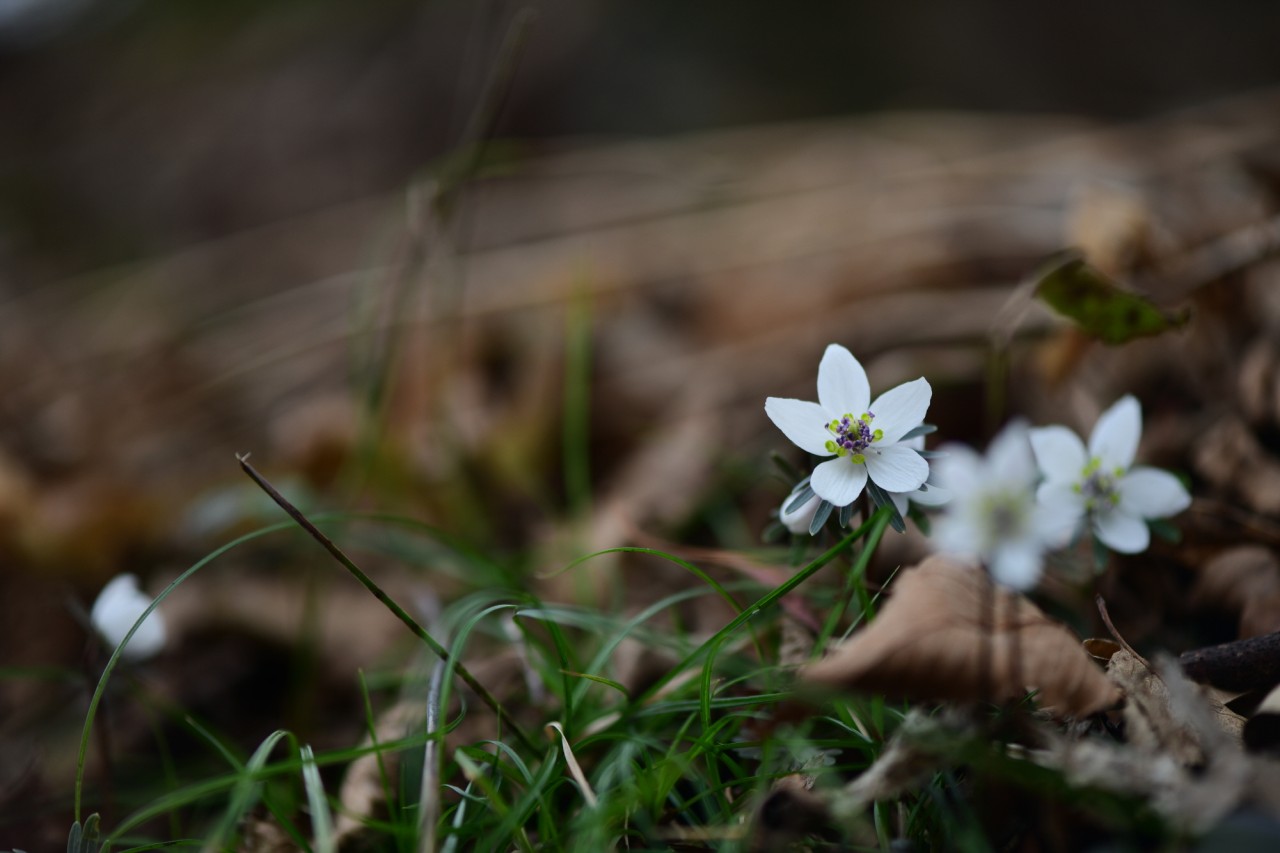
{"points": [[1073, 288], [1229, 456], [947, 633], [1100, 648]]}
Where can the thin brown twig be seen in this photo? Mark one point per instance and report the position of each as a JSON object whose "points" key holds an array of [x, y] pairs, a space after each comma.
{"points": [[1106, 620], [400, 613]]}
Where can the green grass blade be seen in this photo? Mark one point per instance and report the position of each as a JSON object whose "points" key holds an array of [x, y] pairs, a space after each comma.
{"points": [[245, 794], [321, 816], [879, 520]]}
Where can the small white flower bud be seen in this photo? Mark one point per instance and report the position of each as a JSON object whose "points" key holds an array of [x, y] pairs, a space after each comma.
{"points": [[119, 605]]}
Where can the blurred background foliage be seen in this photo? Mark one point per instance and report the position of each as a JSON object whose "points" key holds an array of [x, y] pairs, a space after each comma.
{"points": [[133, 127]]}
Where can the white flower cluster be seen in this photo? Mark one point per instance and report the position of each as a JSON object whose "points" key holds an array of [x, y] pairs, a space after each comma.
{"points": [[1032, 492]]}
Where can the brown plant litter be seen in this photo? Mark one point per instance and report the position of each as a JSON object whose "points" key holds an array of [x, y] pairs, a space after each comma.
{"points": [[936, 639]]}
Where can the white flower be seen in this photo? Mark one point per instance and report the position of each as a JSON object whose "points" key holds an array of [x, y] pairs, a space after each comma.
{"points": [[798, 520], [1100, 482], [993, 516], [862, 436], [118, 606]]}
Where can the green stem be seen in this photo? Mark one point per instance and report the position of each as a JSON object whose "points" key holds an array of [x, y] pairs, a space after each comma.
{"points": [[854, 585]]}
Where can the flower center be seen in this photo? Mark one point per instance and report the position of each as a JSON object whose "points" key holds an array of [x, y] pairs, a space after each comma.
{"points": [[1004, 515], [1098, 486], [851, 436]]}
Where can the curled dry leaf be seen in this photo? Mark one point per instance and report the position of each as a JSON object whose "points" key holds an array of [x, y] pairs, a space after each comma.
{"points": [[1100, 648], [935, 640], [1244, 580]]}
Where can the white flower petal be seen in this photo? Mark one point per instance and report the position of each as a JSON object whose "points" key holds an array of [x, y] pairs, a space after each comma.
{"points": [[842, 383], [1059, 453], [960, 470], [1061, 498], [897, 469], [803, 422], [1009, 459], [1016, 564], [902, 409], [1152, 493], [1116, 434], [957, 536], [118, 606], [1121, 532], [798, 521], [839, 481], [1057, 523], [933, 496], [900, 501]]}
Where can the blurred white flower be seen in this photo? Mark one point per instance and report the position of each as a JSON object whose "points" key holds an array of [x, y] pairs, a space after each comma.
{"points": [[119, 605], [1100, 483], [993, 516], [864, 437]]}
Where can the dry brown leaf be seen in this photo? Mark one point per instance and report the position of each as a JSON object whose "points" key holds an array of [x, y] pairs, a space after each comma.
{"points": [[1245, 580], [1230, 457], [1149, 724], [1154, 721], [1100, 648], [1181, 755], [931, 642], [1258, 382]]}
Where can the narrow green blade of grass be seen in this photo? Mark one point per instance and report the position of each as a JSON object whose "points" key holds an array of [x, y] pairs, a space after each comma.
{"points": [[493, 798], [453, 663], [321, 816], [671, 558], [429, 789], [598, 679], [245, 794]]}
